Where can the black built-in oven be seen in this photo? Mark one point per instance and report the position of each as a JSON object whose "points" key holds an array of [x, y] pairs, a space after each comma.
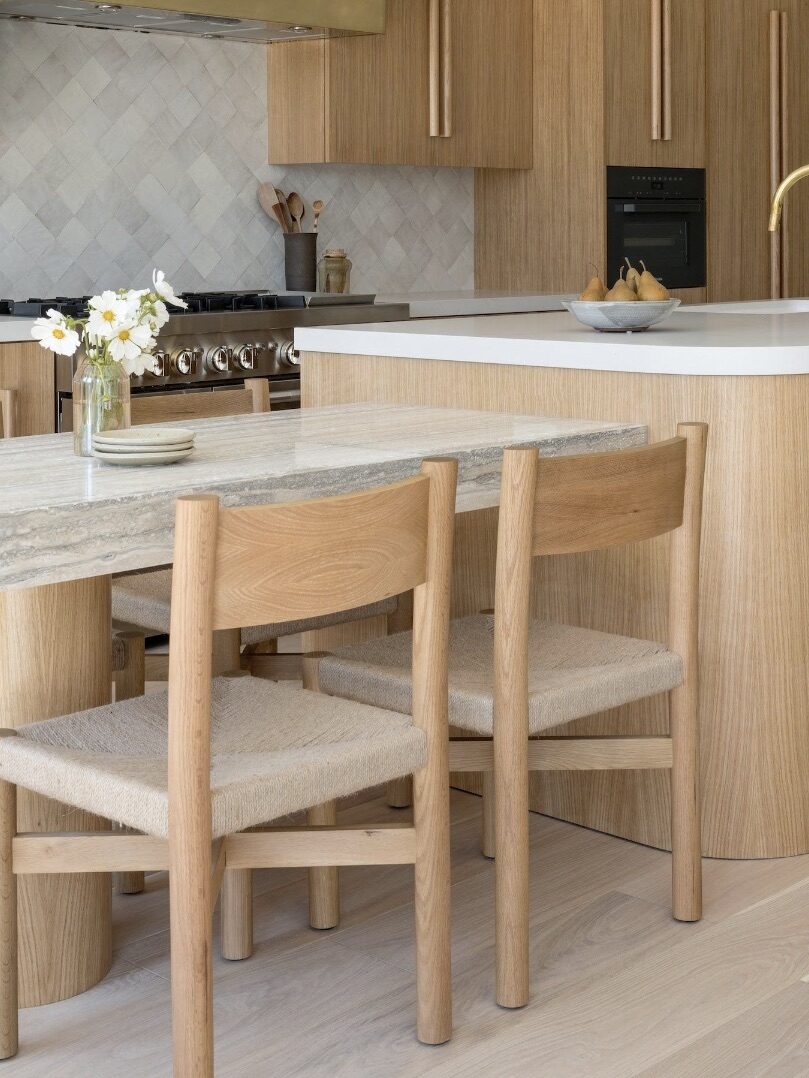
{"points": [[657, 215]]}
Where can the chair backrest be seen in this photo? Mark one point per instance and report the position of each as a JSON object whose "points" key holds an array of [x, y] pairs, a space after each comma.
{"points": [[179, 407], [256, 565], [8, 413], [564, 505]]}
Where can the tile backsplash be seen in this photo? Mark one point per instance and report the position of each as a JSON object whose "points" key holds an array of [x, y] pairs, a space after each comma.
{"points": [[121, 151]]}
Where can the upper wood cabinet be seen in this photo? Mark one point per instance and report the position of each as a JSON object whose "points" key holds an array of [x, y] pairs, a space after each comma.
{"points": [[758, 131], [654, 82], [449, 83]]}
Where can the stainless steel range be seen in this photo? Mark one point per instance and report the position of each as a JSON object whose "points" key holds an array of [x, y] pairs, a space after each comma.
{"points": [[222, 339]]}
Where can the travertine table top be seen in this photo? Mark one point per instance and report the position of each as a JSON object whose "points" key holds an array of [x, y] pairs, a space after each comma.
{"points": [[64, 518]]}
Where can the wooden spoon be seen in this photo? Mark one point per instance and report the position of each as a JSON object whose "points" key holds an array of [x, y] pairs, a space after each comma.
{"points": [[281, 199], [317, 206], [271, 206], [297, 210]]}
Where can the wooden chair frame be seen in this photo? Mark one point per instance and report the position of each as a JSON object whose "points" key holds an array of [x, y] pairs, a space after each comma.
{"points": [[399, 537], [565, 505]]}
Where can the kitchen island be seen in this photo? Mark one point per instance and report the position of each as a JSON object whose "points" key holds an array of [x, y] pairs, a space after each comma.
{"points": [[67, 523], [747, 377]]}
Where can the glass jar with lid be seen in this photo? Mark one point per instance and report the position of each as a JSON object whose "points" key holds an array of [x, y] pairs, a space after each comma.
{"points": [[334, 272]]}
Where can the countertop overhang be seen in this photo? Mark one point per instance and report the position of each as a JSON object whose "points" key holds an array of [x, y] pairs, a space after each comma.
{"points": [[690, 343]]}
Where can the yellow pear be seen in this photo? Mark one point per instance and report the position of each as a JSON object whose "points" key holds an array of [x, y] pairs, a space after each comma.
{"points": [[632, 276], [621, 292], [595, 290], [649, 288]]}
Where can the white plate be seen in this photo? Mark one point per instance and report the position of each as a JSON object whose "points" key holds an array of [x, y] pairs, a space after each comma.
{"points": [[610, 316], [129, 450], [136, 459], [146, 436]]}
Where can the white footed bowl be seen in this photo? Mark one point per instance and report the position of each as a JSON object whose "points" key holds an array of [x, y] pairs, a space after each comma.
{"points": [[611, 316]]}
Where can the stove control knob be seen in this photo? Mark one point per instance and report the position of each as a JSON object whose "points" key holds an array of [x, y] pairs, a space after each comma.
{"points": [[160, 364], [247, 356], [185, 361], [219, 359], [288, 355]]}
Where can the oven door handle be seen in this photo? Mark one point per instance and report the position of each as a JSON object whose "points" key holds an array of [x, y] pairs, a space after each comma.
{"points": [[678, 206]]}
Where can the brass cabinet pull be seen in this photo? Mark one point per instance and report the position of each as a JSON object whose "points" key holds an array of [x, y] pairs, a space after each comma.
{"points": [[446, 68], [435, 67], [657, 70], [440, 46], [779, 142], [665, 49]]}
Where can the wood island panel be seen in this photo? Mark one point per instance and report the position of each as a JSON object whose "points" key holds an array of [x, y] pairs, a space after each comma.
{"points": [[755, 584]]}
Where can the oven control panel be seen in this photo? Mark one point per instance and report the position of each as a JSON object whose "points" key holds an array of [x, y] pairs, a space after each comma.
{"points": [[626, 181]]}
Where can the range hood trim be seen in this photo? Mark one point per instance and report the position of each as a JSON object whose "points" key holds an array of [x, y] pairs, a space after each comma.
{"points": [[256, 20]]}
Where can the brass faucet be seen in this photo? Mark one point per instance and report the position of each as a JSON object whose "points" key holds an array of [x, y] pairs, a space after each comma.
{"points": [[778, 199]]}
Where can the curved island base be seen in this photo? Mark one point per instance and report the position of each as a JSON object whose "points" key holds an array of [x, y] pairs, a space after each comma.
{"points": [[755, 583]]}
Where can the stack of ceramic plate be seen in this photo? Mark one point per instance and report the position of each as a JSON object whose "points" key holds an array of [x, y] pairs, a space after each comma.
{"points": [[143, 445]]}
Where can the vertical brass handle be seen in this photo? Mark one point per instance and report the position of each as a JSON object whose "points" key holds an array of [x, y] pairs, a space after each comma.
{"points": [[434, 38], [657, 70], [440, 47], [665, 49], [446, 68], [786, 167], [776, 145]]}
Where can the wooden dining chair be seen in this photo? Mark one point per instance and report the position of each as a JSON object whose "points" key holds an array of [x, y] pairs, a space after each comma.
{"points": [[142, 601], [512, 677], [198, 769]]}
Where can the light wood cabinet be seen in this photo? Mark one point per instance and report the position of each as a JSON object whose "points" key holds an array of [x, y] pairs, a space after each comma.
{"points": [[30, 370], [758, 130], [449, 83], [654, 82]]}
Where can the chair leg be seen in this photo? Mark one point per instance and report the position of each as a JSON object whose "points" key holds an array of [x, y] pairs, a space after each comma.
{"points": [[686, 838], [433, 921], [324, 883], [487, 834], [511, 869], [129, 683], [236, 914], [400, 793], [191, 966], [8, 924]]}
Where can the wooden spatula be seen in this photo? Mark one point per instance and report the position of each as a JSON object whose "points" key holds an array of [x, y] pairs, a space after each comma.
{"points": [[271, 205]]}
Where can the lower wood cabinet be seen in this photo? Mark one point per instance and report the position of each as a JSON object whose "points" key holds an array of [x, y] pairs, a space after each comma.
{"points": [[30, 370]]}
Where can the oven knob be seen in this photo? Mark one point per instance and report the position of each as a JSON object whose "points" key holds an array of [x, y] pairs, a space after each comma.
{"points": [[160, 364], [185, 361], [288, 355], [219, 359], [247, 356]]}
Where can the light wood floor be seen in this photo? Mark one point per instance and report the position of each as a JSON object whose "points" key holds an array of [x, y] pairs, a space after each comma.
{"points": [[620, 989]]}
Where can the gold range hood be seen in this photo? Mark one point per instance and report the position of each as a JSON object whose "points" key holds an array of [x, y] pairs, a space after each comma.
{"points": [[233, 20]]}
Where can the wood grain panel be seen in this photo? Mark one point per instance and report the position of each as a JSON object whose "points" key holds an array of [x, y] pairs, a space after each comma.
{"points": [[542, 227], [296, 104], [755, 598], [738, 139], [29, 369], [627, 85]]}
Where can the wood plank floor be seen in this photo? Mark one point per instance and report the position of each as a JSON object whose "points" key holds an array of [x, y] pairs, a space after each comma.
{"points": [[620, 989]]}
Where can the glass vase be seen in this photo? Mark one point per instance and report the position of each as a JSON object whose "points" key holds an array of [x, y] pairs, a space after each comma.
{"points": [[100, 402]]}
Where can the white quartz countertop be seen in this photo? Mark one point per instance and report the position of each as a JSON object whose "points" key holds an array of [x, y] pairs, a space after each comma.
{"points": [[66, 518], [692, 342], [472, 301], [14, 330]]}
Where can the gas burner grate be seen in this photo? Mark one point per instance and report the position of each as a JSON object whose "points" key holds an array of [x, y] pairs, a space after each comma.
{"points": [[213, 302], [72, 306]]}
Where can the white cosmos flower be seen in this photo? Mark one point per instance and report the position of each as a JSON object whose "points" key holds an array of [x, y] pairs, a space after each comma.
{"points": [[129, 341], [107, 312], [55, 334], [165, 291], [161, 314]]}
